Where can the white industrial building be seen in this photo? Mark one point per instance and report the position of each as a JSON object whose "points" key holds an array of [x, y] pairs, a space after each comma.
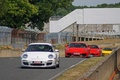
{"points": [[88, 16], [85, 25]]}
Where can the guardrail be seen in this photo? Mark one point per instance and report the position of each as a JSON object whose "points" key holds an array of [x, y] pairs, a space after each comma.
{"points": [[104, 69]]}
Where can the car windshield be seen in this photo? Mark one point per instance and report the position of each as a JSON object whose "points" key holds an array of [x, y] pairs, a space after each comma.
{"points": [[78, 45], [93, 46], [45, 48], [107, 49]]}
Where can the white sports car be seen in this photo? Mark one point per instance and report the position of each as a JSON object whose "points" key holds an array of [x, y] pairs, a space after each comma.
{"points": [[40, 55]]}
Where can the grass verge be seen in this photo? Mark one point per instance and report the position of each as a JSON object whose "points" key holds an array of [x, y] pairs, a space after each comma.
{"points": [[77, 71]]}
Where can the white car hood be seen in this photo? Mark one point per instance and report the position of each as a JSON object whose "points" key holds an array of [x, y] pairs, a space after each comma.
{"points": [[40, 55]]}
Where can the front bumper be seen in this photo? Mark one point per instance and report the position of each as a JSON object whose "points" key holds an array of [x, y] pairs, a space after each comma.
{"points": [[68, 54], [38, 63], [104, 54], [95, 54]]}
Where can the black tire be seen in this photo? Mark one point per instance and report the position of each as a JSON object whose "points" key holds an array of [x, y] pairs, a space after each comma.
{"points": [[54, 67], [100, 54], [22, 67], [67, 56], [58, 65]]}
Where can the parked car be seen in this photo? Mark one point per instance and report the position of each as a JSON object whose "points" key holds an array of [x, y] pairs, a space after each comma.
{"points": [[77, 49], [95, 50], [40, 55], [106, 51]]}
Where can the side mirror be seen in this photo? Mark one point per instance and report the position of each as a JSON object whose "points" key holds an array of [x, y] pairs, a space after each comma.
{"points": [[56, 50], [23, 50]]}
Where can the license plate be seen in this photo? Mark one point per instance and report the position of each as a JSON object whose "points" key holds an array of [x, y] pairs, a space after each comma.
{"points": [[37, 62], [76, 53]]}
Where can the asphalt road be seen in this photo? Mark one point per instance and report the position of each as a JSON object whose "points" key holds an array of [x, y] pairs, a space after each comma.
{"points": [[10, 69]]}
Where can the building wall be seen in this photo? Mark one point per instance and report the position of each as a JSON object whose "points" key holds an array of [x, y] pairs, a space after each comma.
{"points": [[87, 16], [102, 16], [116, 28]]}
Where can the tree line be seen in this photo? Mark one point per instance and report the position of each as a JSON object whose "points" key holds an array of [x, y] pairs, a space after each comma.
{"points": [[63, 11]]}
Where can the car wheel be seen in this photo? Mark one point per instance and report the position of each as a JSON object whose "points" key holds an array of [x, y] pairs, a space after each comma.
{"points": [[103, 54], [58, 65], [67, 56], [54, 67], [100, 54], [90, 56], [22, 67]]}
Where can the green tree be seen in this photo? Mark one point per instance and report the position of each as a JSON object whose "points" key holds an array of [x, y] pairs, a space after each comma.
{"points": [[61, 12], [46, 9], [3, 7], [20, 12]]}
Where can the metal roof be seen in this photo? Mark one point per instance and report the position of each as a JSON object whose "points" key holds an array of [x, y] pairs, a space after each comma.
{"points": [[5, 29]]}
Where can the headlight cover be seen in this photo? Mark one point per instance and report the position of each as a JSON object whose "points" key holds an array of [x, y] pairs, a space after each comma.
{"points": [[24, 56], [50, 56]]}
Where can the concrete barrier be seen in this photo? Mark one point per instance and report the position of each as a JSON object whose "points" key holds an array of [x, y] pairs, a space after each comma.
{"points": [[104, 69], [10, 53]]}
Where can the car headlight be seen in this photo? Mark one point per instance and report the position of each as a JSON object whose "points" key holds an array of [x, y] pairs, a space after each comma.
{"points": [[25, 56], [50, 56]]}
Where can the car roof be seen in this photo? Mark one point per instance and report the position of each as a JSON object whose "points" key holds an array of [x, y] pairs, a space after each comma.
{"points": [[41, 43]]}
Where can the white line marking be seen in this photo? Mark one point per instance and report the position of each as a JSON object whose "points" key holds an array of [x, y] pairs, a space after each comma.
{"points": [[53, 78]]}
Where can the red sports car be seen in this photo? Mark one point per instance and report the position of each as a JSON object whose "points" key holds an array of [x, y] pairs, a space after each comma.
{"points": [[77, 49], [95, 50]]}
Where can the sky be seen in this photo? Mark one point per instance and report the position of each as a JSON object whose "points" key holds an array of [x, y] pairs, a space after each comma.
{"points": [[93, 2]]}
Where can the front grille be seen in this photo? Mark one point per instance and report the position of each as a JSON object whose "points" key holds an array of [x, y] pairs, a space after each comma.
{"points": [[25, 63], [49, 63], [37, 64]]}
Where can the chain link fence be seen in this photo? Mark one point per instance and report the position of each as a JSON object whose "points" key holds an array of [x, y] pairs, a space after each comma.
{"points": [[18, 38], [58, 38], [5, 35]]}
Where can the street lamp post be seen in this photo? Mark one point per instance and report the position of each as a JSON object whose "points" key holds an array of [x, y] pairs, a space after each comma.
{"points": [[77, 29]]}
